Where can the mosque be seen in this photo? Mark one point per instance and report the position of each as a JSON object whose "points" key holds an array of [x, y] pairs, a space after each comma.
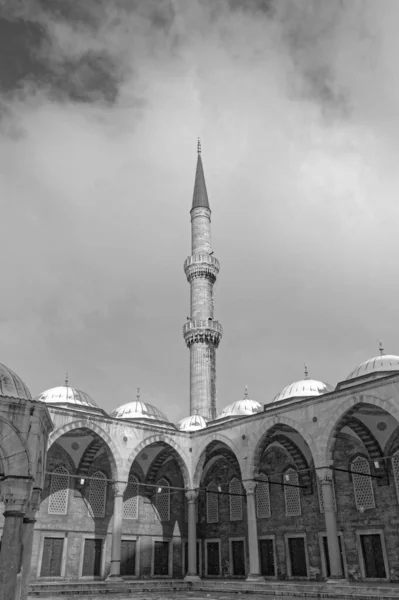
{"points": [[301, 486]]}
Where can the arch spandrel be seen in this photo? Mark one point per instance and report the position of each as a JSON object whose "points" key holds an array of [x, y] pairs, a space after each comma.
{"points": [[114, 455], [199, 455], [161, 438], [327, 440]]}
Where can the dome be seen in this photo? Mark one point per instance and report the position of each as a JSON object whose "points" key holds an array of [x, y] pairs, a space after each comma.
{"points": [[138, 410], [240, 408], [305, 388], [65, 394], [192, 423], [383, 362], [11, 385]]}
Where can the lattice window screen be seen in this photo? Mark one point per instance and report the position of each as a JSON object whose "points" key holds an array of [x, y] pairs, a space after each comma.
{"points": [[263, 509], [212, 503], [235, 501], [362, 486], [131, 499], [162, 500], [59, 490], [320, 493], [395, 468], [97, 495], [291, 494]]}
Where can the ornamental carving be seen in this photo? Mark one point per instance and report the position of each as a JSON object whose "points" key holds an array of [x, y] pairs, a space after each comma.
{"points": [[201, 265], [202, 331]]}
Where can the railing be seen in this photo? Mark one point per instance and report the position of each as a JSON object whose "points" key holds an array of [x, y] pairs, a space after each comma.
{"points": [[202, 324], [201, 258]]}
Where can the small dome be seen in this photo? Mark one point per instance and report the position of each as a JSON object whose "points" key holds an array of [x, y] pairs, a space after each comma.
{"points": [[243, 407], [11, 385], [138, 410], [65, 394], [383, 362], [192, 423], [304, 388]]}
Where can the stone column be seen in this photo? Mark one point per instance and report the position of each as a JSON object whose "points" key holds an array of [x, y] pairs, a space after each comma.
{"points": [[253, 546], [192, 574], [28, 526], [325, 480], [115, 571], [16, 494]]}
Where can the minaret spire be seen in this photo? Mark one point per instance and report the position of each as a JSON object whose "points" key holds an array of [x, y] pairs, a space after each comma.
{"points": [[201, 333]]}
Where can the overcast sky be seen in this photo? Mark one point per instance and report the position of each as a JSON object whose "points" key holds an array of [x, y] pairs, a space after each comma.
{"points": [[297, 106]]}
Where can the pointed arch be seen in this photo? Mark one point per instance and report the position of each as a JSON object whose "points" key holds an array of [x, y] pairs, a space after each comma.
{"points": [[200, 455], [14, 452]]}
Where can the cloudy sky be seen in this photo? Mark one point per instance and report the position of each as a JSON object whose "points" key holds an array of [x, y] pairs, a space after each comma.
{"points": [[297, 106]]}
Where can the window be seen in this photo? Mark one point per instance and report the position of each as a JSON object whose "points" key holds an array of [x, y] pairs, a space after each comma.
{"points": [[237, 558], [52, 557], [59, 489], [97, 494], [131, 499], [235, 500], [162, 500], [320, 493], [266, 557], [161, 558], [297, 560], [212, 503], [362, 485], [374, 566], [263, 510], [395, 469], [291, 494], [128, 557], [92, 558], [212, 558]]}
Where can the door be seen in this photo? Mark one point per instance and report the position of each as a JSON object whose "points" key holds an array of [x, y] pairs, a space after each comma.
{"points": [[298, 557], [92, 558], [238, 557], [327, 555], [161, 558], [52, 557], [128, 557], [266, 551], [373, 557], [212, 559]]}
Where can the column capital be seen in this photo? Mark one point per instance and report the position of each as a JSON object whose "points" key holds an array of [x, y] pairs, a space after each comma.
{"points": [[191, 496], [250, 486], [16, 493], [118, 488], [325, 475]]}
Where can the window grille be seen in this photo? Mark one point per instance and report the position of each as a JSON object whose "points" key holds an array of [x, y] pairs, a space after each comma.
{"points": [[162, 500], [320, 493], [395, 468], [59, 490], [362, 486], [131, 499], [212, 503], [291, 494], [235, 501], [97, 495], [262, 492]]}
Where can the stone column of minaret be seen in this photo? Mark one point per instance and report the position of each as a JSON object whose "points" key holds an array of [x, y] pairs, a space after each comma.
{"points": [[201, 333]]}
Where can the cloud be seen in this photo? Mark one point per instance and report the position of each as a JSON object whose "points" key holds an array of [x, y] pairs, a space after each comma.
{"points": [[296, 105]]}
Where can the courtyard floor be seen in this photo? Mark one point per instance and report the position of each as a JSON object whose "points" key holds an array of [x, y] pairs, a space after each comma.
{"points": [[172, 596]]}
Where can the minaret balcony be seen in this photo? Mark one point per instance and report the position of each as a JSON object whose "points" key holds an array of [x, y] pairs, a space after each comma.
{"points": [[201, 265], [202, 330]]}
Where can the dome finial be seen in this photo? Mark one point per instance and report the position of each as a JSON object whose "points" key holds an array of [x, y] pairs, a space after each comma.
{"points": [[138, 394], [66, 380], [381, 349], [199, 146], [246, 392], [306, 370]]}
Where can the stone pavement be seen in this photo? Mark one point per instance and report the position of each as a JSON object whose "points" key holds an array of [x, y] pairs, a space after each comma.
{"points": [[174, 596]]}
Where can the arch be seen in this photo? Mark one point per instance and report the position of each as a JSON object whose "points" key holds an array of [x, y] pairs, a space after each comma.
{"points": [[200, 455], [114, 455], [327, 440], [161, 439], [14, 451]]}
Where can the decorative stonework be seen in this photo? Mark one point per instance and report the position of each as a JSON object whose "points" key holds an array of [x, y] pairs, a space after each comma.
{"points": [[202, 331], [201, 266]]}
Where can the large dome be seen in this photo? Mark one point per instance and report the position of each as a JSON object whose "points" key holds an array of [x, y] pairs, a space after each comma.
{"points": [[138, 410], [65, 394], [383, 362], [243, 407], [304, 388], [11, 385], [192, 423]]}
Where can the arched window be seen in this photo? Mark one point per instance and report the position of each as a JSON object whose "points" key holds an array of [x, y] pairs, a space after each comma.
{"points": [[320, 493], [395, 469], [59, 490], [212, 503], [362, 485], [291, 493], [262, 492], [235, 500], [97, 494], [162, 500], [131, 499]]}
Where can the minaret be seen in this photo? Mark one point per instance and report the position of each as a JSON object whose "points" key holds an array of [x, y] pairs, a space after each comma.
{"points": [[201, 333]]}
